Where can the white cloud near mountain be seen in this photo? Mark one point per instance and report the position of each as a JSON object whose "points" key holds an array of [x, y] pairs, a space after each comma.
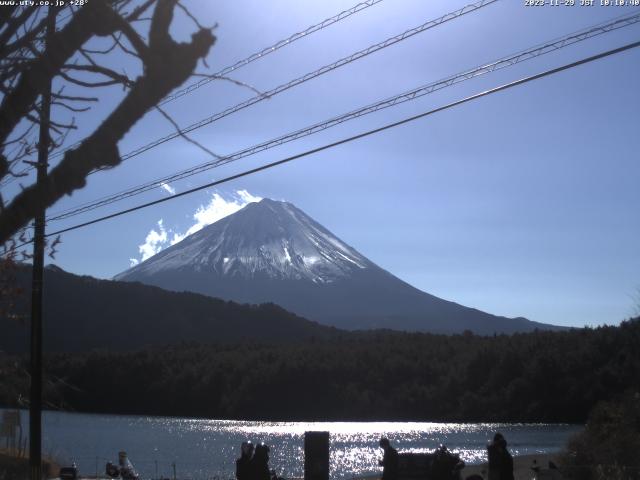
{"points": [[154, 242], [217, 208]]}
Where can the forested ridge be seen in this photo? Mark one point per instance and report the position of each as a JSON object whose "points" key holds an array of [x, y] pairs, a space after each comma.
{"points": [[84, 313], [380, 375]]}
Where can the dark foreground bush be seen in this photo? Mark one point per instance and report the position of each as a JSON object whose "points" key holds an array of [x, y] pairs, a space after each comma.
{"points": [[13, 467], [609, 446]]}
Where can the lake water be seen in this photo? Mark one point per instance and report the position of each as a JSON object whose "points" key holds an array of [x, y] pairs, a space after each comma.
{"points": [[207, 449]]}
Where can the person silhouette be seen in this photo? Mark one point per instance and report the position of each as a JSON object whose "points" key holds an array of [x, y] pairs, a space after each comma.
{"points": [[500, 460], [389, 462], [243, 464], [259, 465], [506, 466]]}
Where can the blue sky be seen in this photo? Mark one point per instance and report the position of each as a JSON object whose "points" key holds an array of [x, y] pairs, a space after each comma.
{"points": [[523, 203]]}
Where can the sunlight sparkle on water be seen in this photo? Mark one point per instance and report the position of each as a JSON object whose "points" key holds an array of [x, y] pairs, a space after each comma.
{"points": [[354, 445], [204, 449]]}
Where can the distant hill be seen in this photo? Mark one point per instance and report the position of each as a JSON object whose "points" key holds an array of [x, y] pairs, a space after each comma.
{"points": [[83, 313], [272, 251]]}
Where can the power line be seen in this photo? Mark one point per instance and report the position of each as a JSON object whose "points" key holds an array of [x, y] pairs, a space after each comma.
{"points": [[533, 52], [276, 46], [240, 63], [258, 55], [356, 137], [306, 77], [309, 76]]}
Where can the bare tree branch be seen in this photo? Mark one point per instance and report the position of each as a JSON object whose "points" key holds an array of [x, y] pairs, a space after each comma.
{"points": [[100, 52], [22, 42], [135, 40], [107, 72], [74, 99], [14, 24], [118, 42], [135, 15], [95, 18], [193, 19], [234, 81], [70, 108], [185, 136], [167, 64], [82, 83]]}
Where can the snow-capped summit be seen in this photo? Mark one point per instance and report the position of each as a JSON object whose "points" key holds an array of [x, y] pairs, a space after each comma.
{"points": [[267, 238], [271, 251]]}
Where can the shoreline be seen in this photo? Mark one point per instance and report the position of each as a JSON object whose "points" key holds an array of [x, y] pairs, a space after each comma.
{"points": [[492, 423], [521, 467]]}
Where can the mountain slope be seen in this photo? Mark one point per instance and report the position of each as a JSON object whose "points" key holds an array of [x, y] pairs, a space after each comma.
{"points": [[273, 252], [84, 313], [264, 240]]}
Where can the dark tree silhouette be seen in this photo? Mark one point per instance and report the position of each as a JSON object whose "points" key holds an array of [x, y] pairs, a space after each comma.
{"points": [[26, 66]]}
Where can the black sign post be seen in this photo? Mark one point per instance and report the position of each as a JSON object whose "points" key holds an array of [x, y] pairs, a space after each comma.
{"points": [[316, 455]]}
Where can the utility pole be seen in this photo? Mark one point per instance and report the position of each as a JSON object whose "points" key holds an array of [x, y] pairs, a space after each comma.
{"points": [[35, 406]]}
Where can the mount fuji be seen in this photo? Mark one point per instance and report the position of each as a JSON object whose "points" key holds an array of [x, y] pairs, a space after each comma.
{"points": [[271, 251]]}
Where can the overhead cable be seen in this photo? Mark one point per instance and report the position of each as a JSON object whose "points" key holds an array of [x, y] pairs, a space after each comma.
{"points": [[304, 78], [232, 68], [266, 51], [533, 52], [257, 55], [354, 137], [311, 75]]}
